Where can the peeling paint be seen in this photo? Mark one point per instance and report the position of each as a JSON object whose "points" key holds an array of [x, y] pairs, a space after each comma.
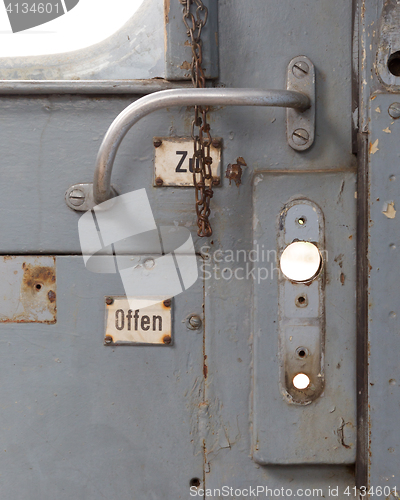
{"points": [[389, 210], [373, 147], [387, 130]]}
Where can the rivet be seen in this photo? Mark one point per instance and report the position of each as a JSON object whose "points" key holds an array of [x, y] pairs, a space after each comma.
{"points": [[109, 301], [159, 182], [157, 143], [167, 339], [108, 339]]}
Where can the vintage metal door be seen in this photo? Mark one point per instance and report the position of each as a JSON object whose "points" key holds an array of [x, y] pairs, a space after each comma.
{"points": [[200, 395]]}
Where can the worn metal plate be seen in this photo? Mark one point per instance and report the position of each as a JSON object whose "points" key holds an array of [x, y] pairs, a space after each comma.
{"points": [[173, 162], [300, 125], [28, 289], [383, 300], [301, 306], [149, 325], [324, 431]]}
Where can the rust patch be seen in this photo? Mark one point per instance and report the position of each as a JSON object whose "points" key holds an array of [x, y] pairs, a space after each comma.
{"points": [[29, 290], [342, 278], [37, 290], [340, 433], [167, 7], [167, 303], [234, 172], [185, 65]]}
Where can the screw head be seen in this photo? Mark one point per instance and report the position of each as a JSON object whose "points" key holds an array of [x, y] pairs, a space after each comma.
{"points": [[149, 263], [300, 69], [216, 181], [300, 137], [167, 303], [109, 301], [108, 339], [76, 197], [394, 110], [159, 182], [167, 339], [194, 322], [157, 143], [216, 143]]}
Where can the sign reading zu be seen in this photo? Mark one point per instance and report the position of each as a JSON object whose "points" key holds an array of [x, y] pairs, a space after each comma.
{"points": [[174, 161]]}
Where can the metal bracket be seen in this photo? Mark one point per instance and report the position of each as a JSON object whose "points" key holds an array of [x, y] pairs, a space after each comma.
{"points": [[300, 125], [79, 197], [301, 307]]}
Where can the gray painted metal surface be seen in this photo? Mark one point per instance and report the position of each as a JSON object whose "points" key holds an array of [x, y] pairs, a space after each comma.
{"points": [[178, 53], [384, 341], [379, 89], [81, 420], [48, 143], [323, 431]]}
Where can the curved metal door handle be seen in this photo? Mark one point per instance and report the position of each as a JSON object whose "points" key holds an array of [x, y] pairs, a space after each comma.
{"points": [[83, 197]]}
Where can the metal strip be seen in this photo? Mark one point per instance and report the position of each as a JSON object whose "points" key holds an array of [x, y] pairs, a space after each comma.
{"points": [[43, 87]]}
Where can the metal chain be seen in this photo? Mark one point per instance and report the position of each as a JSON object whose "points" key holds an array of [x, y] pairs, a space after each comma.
{"points": [[195, 15]]}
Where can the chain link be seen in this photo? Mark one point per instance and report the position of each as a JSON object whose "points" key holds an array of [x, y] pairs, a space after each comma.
{"points": [[195, 15]]}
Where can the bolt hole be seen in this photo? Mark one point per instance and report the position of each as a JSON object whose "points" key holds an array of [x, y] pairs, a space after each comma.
{"points": [[394, 63], [301, 381], [38, 286], [195, 482], [302, 352], [301, 299], [301, 220]]}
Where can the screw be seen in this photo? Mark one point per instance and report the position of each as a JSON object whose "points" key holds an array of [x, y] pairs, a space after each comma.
{"points": [[394, 110], [149, 263], [300, 137], [167, 303], [216, 143], [109, 301], [216, 181], [159, 182], [167, 339], [157, 143], [195, 322], [76, 197], [108, 339], [300, 69]]}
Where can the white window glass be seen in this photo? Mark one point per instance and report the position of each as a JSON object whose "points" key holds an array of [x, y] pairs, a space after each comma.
{"points": [[89, 22]]}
